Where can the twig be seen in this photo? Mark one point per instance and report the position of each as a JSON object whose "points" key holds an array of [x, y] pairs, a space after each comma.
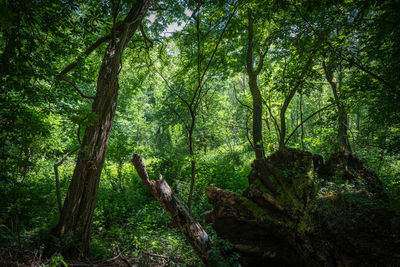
{"points": [[201, 83]]}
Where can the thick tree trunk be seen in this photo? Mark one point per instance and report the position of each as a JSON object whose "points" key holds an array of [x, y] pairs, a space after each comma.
{"points": [[79, 204], [192, 230]]}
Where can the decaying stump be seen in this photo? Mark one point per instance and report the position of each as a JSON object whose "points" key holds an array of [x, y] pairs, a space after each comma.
{"points": [[192, 230], [281, 219]]}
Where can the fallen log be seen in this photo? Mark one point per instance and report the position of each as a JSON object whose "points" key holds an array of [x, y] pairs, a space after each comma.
{"points": [[192, 230]]}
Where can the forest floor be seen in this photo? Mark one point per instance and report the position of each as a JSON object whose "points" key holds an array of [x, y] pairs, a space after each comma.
{"points": [[34, 259]]}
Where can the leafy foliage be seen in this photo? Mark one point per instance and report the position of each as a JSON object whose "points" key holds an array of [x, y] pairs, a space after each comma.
{"points": [[187, 51]]}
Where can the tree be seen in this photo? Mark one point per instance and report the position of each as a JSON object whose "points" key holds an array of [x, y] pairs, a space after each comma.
{"points": [[80, 201], [343, 139], [193, 87], [255, 91]]}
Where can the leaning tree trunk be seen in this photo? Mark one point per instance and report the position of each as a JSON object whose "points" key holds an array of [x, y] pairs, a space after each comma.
{"points": [[80, 201], [281, 219]]}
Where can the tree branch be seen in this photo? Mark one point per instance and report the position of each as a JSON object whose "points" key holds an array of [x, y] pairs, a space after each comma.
{"points": [[241, 103], [77, 89], [178, 211], [178, 115], [173, 91], [146, 39], [56, 165], [309, 117], [272, 116], [87, 52], [341, 55], [262, 56], [200, 85]]}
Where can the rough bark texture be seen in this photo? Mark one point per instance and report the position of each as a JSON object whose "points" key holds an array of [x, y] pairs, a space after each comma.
{"points": [[180, 214], [281, 219], [80, 201]]}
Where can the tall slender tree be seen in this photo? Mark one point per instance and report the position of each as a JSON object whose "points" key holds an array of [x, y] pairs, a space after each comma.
{"points": [[255, 91]]}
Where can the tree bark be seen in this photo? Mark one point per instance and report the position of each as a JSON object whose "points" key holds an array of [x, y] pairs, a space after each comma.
{"points": [[192, 230], [80, 201]]}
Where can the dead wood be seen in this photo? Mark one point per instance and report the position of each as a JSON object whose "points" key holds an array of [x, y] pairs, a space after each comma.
{"points": [[192, 230]]}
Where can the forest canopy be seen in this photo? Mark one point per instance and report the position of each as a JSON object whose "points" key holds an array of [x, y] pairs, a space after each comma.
{"points": [[235, 100]]}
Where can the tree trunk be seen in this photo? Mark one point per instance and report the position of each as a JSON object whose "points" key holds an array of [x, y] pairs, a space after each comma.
{"points": [[255, 91], [343, 140], [192, 165], [80, 201], [257, 117], [301, 121], [282, 133], [192, 230]]}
